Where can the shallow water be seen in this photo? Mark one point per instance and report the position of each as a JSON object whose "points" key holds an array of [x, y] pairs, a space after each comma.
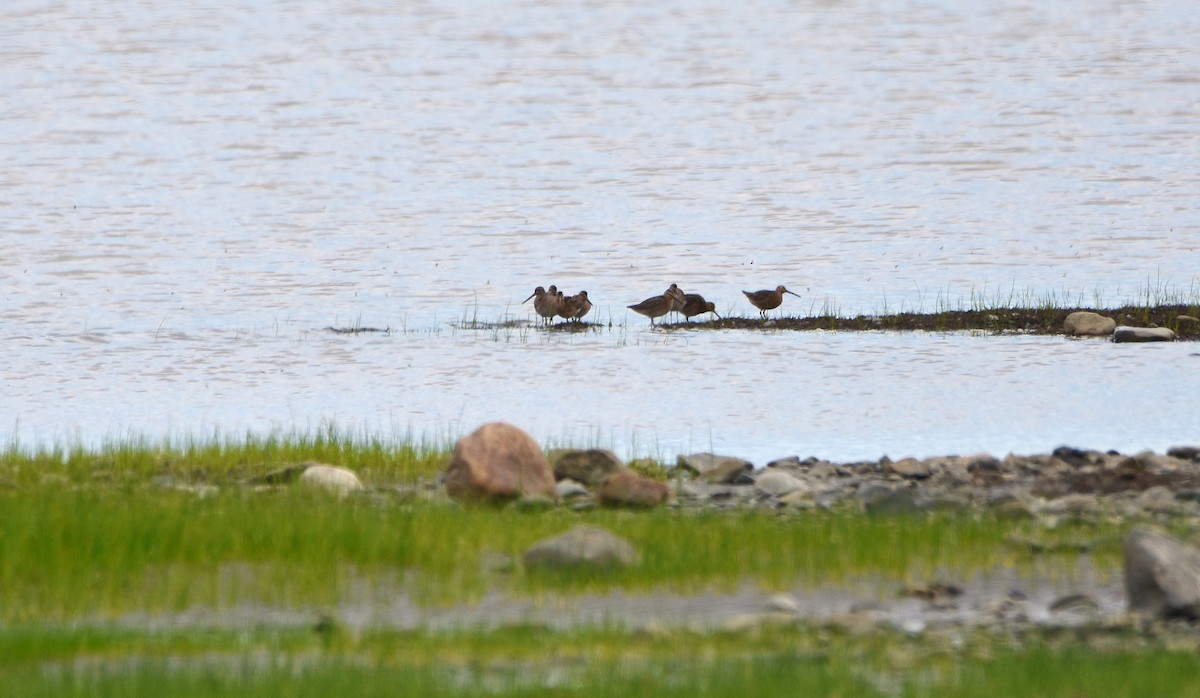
{"points": [[190, 193]]}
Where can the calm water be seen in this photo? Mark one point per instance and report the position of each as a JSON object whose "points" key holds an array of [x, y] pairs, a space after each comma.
{"points": [[188, 194]]}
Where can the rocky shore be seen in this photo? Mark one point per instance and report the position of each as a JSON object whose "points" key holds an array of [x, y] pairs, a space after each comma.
{"points": [[1161, 578]]}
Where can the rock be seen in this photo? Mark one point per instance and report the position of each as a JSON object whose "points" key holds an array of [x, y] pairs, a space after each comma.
{"points": [[1191, 453], [1125, 333], [1187, 321], [495, 463], [785, 462], [1088, 324], [701, 463], [569, 489], [326, 477], [881, 499], [1162, 575], [1158, 500], [1076, 603], [581, 547], [1076, 505], [910, 468], [778, 483], [728, 472], [783, 603], [799, 499], [627, 488], [588, 467]]}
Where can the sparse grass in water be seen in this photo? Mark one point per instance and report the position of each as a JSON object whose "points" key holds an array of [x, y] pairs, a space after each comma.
{"points": [[535, 661]]}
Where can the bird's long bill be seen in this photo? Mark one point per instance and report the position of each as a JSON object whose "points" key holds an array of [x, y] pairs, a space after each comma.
{"points": [[718, 315], [794, 294], [530, 296]]}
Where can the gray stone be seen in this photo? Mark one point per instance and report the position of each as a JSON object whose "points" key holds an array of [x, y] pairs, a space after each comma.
{"points": [[588, 467], [1162, 575], [909, 468], [581, 547], [326, 477], [785, 462], [778, 483], [1076, 603], [728, 472], [701, 463], [497, 463], [1088, 324], [881, 499], [1191, 453], [1077, 505], [1143, 334]]}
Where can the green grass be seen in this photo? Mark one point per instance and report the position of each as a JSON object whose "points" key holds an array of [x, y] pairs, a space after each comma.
{"points": [[67, 550], [98, 547], [221, 457]]}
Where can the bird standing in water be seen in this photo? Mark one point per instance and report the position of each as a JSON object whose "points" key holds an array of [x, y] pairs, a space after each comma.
{"points": [[657, 306], [694, 304], [545, 303], [767, 299], [578, 305]]}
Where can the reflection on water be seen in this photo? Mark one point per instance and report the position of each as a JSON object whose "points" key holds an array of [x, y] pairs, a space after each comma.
{"points": [[188, 193]]}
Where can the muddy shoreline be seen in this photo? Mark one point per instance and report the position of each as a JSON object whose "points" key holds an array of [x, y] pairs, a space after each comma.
{"points": [[1035, 321]]}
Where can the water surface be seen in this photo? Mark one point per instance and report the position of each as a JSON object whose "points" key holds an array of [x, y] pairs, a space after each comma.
{"points": [[188, 194]]}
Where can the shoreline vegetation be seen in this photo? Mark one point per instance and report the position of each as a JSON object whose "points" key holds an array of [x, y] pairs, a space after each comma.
{"points": [[183, 567], [1182, 318]]}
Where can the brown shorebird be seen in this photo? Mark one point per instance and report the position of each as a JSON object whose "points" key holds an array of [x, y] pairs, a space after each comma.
{"points": [[696, 305], [578, 305], [767, 299], [545, 303], [656, 306]]}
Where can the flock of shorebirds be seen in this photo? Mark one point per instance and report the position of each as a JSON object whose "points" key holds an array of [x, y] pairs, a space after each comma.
{"points": [[552, 303]]}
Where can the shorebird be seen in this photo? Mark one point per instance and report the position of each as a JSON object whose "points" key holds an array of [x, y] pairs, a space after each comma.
{"points": [[578, 305], [545, 303], [656, 306], [767, 299], [696, 305], [563, 307]]}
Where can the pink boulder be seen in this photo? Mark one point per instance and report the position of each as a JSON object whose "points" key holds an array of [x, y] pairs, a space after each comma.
{"points": [[498, 462]]}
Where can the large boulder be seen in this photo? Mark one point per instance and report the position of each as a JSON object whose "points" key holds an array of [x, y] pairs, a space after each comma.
{"points": [[588, 467], [1162, 575], [628, 489], [1089, 324], [580, 547], [498, 462]]}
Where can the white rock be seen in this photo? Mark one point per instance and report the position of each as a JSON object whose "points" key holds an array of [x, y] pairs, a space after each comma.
{"points": [[1088, 324], [779, 483], [327, 477]]}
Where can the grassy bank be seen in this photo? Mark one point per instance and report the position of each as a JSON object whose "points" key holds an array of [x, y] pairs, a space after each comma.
{"points": [[157, 568]]}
